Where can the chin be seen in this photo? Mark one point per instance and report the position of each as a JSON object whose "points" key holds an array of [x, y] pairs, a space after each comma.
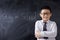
{"points": [[45, 20]]}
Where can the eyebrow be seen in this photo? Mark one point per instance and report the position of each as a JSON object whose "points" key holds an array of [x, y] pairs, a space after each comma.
{"points": [[45, 13]]}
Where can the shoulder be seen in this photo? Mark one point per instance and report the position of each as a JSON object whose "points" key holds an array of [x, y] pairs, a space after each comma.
{"points": [[38, 21], [52, 22]]}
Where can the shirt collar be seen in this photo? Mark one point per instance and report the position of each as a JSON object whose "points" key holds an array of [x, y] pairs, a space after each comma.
{"points": [[47, 21]]}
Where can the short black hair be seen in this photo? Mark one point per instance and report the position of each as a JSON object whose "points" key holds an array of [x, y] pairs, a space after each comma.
{"points": [[46, 7]]}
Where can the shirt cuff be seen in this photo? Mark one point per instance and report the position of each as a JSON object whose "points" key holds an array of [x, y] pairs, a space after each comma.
{"points": [[41, 34]]}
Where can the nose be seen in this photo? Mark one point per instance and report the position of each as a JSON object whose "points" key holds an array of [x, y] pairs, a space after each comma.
{"points": [[45, 15]]}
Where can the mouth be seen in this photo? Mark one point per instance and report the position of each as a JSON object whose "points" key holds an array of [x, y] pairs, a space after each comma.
{"points": [[45, 17]]}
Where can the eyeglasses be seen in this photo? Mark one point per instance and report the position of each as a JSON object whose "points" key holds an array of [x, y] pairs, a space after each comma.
{"points": [[45, 13]]}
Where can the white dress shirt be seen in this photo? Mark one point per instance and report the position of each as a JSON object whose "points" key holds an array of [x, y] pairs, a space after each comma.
{"points": [[51, 32]]}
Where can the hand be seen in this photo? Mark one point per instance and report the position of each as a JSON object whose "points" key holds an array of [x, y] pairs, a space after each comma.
{"points": [[37, 34]]}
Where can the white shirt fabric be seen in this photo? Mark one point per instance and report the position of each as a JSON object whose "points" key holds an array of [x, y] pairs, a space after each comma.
{"points": [[51, 32]]}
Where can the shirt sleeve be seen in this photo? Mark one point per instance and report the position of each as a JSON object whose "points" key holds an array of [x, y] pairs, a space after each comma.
{"points": [[52, 33], [36, 26]]}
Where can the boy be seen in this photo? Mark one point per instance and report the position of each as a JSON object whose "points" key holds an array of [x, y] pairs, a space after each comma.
{"points": [[45, 29]]}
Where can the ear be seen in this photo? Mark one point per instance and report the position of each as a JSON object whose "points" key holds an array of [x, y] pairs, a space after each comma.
{"points": [[51, 14], [40, 14]]}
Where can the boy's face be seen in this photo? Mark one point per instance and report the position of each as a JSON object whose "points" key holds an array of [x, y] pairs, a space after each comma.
{"points": [[45, 14]]}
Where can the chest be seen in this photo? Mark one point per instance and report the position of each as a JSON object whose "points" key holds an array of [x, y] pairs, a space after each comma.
{"points": [[48, 26]]}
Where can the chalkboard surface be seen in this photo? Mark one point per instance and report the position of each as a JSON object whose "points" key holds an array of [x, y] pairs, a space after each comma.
{"points": [[18, 17]]}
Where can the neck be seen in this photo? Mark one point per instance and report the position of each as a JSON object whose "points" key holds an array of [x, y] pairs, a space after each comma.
{"points": [[45, 20]]}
